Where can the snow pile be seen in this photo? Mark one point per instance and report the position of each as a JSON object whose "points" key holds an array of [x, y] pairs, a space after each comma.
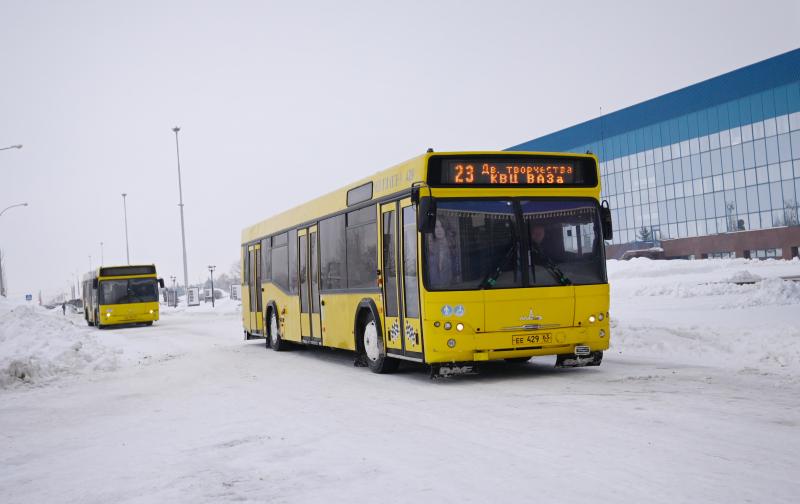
{"points": [[706, 312], [743, 276], [37, 345]]}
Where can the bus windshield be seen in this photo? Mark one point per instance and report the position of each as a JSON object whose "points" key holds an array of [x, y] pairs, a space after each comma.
{"points": [[133, 290], [491, 244]]}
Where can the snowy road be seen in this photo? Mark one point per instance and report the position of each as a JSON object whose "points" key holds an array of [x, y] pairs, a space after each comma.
{"points": [[191, 413]]}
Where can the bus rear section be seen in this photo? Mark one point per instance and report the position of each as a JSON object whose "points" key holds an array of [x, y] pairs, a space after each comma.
{"points": [[120, 295]]}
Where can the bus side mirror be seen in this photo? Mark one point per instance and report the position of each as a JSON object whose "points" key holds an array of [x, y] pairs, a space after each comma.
{"points": [[605, 221], [95, 283], [426, 214], [161, 282]]}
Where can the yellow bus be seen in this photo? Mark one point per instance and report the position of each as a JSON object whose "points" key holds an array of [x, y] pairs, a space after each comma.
{"points": [[115, 295], [448, 259]]}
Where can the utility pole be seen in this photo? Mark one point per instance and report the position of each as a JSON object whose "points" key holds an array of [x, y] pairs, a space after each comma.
{"points": [[125, 208], [180, 204], [211, 269]]}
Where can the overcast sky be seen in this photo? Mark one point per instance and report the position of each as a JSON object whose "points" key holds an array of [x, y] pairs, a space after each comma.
{"points": [[279, 102]]}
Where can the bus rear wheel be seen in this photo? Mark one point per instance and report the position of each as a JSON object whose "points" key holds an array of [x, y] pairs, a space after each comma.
{"points": [[275, 341], [372, 344]]}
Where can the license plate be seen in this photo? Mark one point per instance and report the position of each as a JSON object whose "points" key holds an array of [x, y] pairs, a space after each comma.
{"points": [[531, 339]]}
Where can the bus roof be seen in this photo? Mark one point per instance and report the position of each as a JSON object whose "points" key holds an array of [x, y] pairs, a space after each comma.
{"points": [[122, 270], [397, 179]]}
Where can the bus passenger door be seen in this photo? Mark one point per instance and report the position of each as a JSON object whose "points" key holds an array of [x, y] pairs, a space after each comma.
{"points": [[254, 289], [409, 268], [391, 294], [316, 313], [303, 283]]}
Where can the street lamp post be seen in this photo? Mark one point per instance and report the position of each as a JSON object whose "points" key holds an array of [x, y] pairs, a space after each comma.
{"points": [[125, 210], [211, 269], [180, 204], [2, 279], [18, 146]]}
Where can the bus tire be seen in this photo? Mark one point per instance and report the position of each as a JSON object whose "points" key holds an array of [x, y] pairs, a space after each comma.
{"points": [[275, 341], [372, 345]]}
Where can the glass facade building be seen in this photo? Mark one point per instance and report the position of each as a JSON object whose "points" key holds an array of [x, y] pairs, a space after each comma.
{"points": [[721, 157]]}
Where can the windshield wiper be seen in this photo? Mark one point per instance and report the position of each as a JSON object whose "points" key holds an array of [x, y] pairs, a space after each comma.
{"points": [[491, 278], [550, 266]]}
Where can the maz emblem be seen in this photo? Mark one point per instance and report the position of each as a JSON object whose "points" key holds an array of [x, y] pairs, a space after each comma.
{"points": [[531, 316]]}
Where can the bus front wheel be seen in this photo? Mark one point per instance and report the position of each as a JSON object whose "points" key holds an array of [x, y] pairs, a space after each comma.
{"points": [[372, 344], [275, 340]]}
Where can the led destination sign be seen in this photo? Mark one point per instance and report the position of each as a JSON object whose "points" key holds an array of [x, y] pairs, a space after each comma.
{"points": [[512, 171]]}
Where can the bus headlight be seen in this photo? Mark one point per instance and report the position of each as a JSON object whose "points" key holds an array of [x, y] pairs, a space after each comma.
{"points": [[151, 312], [591, 319], [108, 314], [459, 327]]}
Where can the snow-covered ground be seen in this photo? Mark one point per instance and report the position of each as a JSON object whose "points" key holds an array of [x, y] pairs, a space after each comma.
{"points": [[696, 401]]}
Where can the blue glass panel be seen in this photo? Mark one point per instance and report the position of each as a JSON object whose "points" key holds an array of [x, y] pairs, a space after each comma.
{"points": [[683, 131], [724, 117], [664, 130], [692, 120], [793, 98], [733, 114], [702, 122], [768, 103], [781, 103], [713, 119], [756, 110], [744, 111], [674, 132]]}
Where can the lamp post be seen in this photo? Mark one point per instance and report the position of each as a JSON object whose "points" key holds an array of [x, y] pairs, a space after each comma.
{"points": [[125, 210], [180, 204], [18, 146], [13, 206], [211, 269], [2, 279], [102, 260]]}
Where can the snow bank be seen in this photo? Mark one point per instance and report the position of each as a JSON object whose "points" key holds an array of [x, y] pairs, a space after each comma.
{"points": [[734, 313], [37, 345]]}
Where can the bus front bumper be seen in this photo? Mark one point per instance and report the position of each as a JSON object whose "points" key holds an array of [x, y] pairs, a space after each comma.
{"points": [[482, 347]]}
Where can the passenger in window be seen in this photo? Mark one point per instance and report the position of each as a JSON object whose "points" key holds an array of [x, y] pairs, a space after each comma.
{"points": [[537, 234], [441, 254]]}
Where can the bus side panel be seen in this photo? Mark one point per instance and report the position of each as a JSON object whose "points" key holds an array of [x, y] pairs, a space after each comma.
{"points": [[338, 318], [288, 311]]}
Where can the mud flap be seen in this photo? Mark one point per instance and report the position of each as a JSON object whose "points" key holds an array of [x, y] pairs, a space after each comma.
{"points": [[572, 360], [448, 370]]}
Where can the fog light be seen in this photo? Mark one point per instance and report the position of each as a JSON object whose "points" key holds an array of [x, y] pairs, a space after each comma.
{"points": [[108, 314], [451, 343], [600, 317], [448, 326], [459, 327], [151, 312], [592, 319], [602, 333]]}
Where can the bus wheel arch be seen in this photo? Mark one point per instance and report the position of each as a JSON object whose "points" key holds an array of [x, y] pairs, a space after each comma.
{"points": [[368, 335]]}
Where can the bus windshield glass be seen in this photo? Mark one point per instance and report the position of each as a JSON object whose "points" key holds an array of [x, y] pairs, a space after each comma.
{"points": [[133, 290], [492, 244]]}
